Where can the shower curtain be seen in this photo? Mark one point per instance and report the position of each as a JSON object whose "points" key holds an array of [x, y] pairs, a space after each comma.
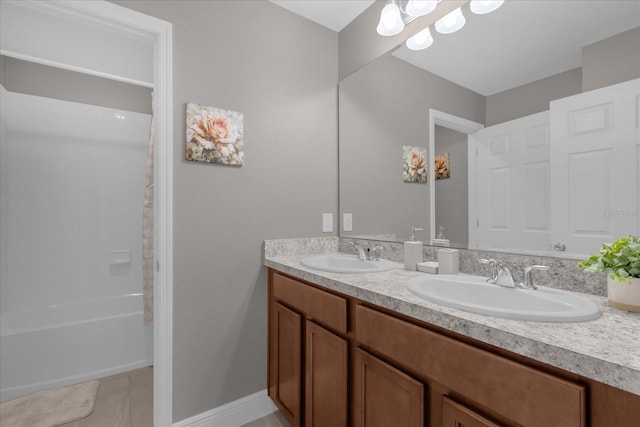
{"points": [[147, 230]]}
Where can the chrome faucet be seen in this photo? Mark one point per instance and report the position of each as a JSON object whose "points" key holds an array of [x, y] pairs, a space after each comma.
{"points": [[500, 273], [504, 276], [528, 280], [368, 254], [360, 249], [493, 269]]}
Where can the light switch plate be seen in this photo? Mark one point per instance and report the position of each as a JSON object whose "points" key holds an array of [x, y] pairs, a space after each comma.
{"points": [[347, 222], [327, 223]]}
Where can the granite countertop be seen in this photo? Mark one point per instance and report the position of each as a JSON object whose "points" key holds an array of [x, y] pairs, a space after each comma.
{"points": [[606, 349]]}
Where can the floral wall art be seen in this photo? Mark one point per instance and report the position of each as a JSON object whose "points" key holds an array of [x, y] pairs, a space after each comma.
{"points": [[442, 166], [414, 164], [214, 135]]}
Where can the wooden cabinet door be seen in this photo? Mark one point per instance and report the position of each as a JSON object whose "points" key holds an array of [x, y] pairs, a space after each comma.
{"points": [[383, 396], [285, 362], [326, 360], [456, 415]]}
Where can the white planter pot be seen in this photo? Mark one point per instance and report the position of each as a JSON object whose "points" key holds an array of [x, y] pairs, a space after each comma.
{"points": [[624, 295]]}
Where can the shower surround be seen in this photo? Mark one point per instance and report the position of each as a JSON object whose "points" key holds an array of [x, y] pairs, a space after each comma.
{"points": [[71, 187]]}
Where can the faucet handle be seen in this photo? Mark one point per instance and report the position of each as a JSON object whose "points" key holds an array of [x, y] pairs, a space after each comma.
{"points": [[493, 268], [375, 252], [528, 280]]}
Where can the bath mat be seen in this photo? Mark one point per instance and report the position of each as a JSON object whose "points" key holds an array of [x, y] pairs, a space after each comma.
{"points": [[51, 407]]}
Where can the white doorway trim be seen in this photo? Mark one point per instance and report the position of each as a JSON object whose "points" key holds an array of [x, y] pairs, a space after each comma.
{"points": [[159, 33], [460, 125]]}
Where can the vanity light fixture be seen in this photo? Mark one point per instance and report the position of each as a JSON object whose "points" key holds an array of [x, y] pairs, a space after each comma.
{"points": [[451, 22], [480, 7], [393, 19], [391, 22], [397, 13], [421, 40], [421, 8]]}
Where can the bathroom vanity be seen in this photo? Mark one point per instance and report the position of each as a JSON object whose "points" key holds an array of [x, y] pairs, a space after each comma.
{"points": [[358, 349]]}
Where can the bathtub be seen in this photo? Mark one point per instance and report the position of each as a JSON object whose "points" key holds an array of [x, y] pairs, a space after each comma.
{"points": [[67, 344]]}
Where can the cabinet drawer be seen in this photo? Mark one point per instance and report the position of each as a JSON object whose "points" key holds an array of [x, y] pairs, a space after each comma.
{"points": [[518, 392], [320, 306]]}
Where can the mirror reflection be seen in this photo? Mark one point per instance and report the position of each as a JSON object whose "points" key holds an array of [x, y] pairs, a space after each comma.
{"points": [[504, 66], [451, 210]]}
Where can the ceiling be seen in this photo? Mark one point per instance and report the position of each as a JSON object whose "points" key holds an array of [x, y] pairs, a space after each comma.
{"points": [[333, 14], [523, 41]]}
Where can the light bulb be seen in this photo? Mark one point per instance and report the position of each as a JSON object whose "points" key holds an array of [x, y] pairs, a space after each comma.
{"points": [[480, 7], [421, 40], [421, 7], [390, 21], [451, 23]]}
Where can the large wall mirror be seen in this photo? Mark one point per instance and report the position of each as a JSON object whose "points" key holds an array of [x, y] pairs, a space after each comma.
{"points": [[499, 67]]}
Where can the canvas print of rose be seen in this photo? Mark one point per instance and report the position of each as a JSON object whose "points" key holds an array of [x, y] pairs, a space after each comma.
{"points": [[214, 135], [414, 164], [442, 166]]}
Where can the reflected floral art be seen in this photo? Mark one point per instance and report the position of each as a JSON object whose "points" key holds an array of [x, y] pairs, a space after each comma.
{"points": [[414, 164], [214, 135], [441, 165]]}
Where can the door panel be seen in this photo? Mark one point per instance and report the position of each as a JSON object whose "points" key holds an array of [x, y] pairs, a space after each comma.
{"points": [[385, 396], [595, 141], [326, 377], [513, 185], [286, 363]]}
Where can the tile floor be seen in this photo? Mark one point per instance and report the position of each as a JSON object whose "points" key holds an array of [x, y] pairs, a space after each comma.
{"points": [[124, 400], [275, 419]]}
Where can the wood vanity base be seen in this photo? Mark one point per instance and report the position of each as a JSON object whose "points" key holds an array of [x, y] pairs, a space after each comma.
{"points": [[337, 361]]}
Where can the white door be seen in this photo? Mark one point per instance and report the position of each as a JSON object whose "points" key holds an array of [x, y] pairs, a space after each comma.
{"points": [[595, 152], [513, 185]]}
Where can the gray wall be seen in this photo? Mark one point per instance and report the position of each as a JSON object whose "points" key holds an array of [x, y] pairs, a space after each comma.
{"points": [[610, 61], [281, 71], [533, 97], [452, 194], [50, 82], [383, 107]]}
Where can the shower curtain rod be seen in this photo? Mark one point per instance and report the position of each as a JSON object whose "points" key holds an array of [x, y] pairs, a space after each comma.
{"points": [[76, 69]]}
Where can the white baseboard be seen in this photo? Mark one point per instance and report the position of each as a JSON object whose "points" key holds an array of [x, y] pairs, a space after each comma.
{"points": [[233, 414]]}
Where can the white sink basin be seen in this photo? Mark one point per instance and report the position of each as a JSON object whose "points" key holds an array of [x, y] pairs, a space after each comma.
{"points": [[346, 264], [474, 294]]}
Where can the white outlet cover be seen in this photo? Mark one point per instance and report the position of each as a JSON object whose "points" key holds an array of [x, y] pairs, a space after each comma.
{"points": [[327, 223], [347, 222]]}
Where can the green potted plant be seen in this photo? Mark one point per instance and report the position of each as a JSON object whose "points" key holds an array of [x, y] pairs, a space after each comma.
{"points": [[621, 261]]}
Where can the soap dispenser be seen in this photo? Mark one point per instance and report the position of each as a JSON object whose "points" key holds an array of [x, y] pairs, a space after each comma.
{"points": [[412, 251], [440, 240]]}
